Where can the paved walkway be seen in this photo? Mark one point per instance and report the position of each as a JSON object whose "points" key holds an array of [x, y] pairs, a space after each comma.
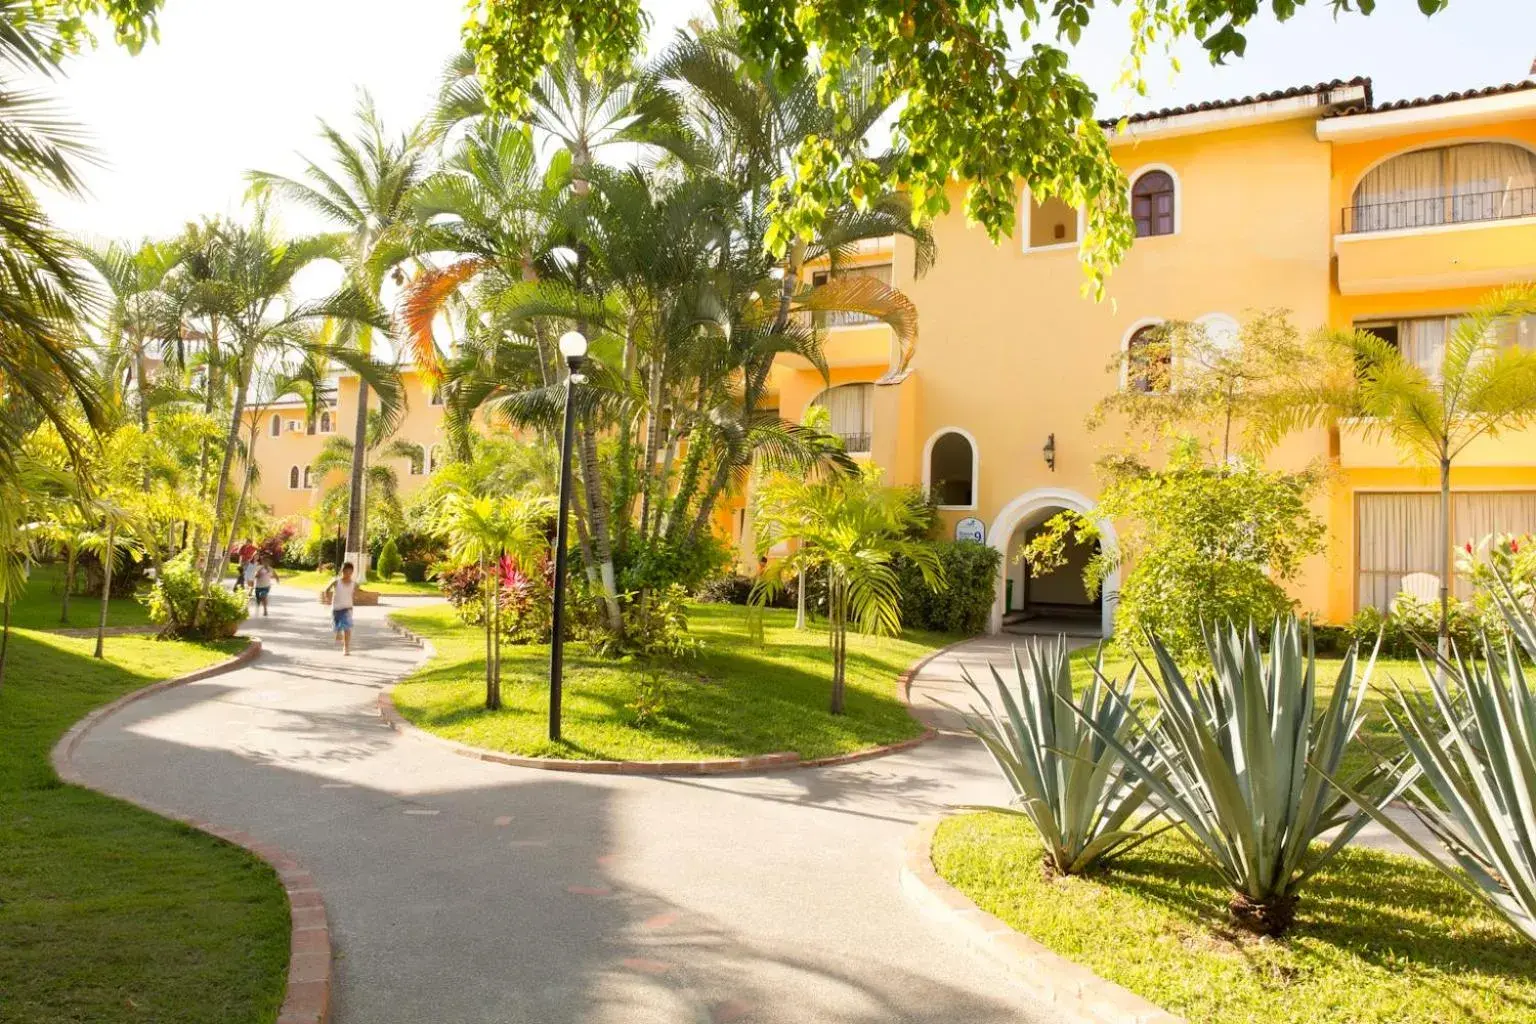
{"points": [[463, 892]]}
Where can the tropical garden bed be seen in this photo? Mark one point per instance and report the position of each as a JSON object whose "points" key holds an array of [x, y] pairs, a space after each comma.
{"points": [[738, 698], [111, 913], [1378, 937]]}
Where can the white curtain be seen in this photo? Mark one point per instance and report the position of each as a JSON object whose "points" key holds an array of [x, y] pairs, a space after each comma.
{"points": [[850, 408], [1487, 179], [1402, 193], [1475, 515], [1396, 535], [1399, 534], [1423, 343]]}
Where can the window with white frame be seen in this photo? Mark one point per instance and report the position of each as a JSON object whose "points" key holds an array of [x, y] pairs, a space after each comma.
{"points": [[1397, 534], [309, 479], [276, 426], [1153, 204], [1149, 360], [325, 421], [293, 478], [1422, 340], [951, 470], [1049, 223]]}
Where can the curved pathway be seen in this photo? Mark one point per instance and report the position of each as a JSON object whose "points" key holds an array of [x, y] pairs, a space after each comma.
{"points": [[463, 892]]}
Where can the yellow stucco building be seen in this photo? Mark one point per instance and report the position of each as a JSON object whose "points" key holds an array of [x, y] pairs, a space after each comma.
{"points": [[1392, 217]]}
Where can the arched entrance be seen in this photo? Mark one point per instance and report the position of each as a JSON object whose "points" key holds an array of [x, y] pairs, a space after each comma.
{"points": [[1060, 594]]}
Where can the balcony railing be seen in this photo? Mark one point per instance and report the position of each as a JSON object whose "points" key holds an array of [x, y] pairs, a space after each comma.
{"points": [[855, 442], [1429, 211]]}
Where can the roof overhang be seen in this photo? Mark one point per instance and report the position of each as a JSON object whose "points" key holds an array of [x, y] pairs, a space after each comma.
{"points": [[1288, 108], [1454, 114]]}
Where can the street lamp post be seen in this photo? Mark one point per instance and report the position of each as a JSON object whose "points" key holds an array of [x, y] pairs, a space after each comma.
{"points": [[573, 346]]}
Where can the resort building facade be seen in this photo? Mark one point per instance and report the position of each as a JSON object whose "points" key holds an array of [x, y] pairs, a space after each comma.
{"points": [[1394, 218]]}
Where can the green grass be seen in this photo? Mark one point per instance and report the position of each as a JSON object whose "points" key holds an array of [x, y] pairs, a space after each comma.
{"points": [[737, 698], [107, 913], [1375, 734], [398, 585], [39, 605], [1379, 938]]}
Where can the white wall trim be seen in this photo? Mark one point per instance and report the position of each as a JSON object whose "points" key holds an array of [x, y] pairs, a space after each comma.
{"points": [[975, 466], [1125, 345], [1178, 197], [1026, 211], [1026, 505]]}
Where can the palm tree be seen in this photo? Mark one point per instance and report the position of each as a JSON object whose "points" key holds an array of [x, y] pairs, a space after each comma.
{"points": [[1486, 384], [140, 310], [381, 481], [486, 531], [369, 194], [851, 529], [248, 289]]}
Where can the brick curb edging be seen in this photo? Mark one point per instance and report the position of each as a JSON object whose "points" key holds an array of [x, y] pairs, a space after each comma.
{"points": [[307, 999], [758, 762], [1075, 992]]}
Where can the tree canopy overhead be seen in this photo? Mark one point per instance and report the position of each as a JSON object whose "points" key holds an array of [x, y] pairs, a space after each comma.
{"points": [[987, 95]]}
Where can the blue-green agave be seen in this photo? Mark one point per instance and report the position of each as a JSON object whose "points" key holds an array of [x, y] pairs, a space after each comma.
{"points": [[1068, 781], [1241, 758], [1470, 776]]}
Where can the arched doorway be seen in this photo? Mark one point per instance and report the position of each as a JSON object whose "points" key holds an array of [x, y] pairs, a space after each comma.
{"points": [[1057, 600]]}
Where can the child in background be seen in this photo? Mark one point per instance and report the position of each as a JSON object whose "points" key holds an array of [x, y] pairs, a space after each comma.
{"points": [[341, 593], [265, 577]]}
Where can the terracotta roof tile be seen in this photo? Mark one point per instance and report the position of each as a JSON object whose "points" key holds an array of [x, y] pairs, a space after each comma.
{"points": [[1263, 97], [1429, 101]]}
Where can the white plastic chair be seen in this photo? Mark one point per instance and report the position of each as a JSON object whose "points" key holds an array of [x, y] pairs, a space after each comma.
{"points": [[1421, 586]]}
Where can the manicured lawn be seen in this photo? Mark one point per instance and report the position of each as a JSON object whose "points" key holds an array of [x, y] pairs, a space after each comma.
{"points": [[1376, 734], [39, 605], [737, 698], [1379, 938], [107, 913], [309, 580]]}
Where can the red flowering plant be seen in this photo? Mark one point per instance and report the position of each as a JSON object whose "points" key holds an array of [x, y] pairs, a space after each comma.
{"points": [[1512, 556], [527, 600]]}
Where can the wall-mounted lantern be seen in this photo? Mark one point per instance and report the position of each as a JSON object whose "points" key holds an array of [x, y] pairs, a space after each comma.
{"points": [[1049, 451]]}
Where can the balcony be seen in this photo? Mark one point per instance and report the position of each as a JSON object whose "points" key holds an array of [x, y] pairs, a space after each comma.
{"points": [[1445, 241], [855, 444]]}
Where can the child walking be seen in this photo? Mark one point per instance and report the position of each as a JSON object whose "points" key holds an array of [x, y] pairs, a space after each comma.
{"points": [[341, 593], [265, 577]]}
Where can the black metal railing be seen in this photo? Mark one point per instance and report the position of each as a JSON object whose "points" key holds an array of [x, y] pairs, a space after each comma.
{"points": [[822, 319], [855, 442], [1449, 208]]}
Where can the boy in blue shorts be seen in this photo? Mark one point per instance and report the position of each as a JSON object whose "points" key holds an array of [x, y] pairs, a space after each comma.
{"points": [[341, 593]]}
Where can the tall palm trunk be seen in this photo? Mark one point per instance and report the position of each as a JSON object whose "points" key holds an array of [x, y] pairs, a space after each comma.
{"points": [[106, 588], [800, 601], [234, 520], [1443, 646], [602, 548], [648, 482], [5, 637], [355, 501], [221, 493], [485, 585], [69, 584], [838, 623]]}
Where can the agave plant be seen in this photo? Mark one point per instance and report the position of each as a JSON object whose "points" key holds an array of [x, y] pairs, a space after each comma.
{"points": [[1067, 780], [1243, 761], [1475, 747]]}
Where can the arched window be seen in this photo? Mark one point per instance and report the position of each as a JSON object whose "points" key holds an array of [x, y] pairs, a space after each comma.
{"points": [[1148, 360], [851, 411], [950, 473], [309, 480], [276, 426], [1445, 185], [325, 421], [1152, 204], [434, 459], [293, 478], [436, 396]]}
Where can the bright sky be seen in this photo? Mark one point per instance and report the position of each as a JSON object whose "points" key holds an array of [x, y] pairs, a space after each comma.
{"points": [[236, 86]]}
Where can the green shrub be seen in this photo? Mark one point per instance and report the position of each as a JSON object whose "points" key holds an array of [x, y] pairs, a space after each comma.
{"points": [[389, 559], [174, 598], [415, 569], [971, 570], [731, 588], [1413, 622]]}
